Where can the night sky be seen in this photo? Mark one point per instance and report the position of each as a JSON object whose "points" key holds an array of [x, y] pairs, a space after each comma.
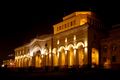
{"points": [[23, 21]]}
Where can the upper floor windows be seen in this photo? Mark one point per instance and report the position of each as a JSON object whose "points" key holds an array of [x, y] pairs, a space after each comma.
{"points": [[66, 25]]}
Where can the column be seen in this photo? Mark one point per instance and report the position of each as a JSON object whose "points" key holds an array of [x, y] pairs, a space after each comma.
{"points": [[49, 59], [85, 55], [66, 58], [75, 57]]}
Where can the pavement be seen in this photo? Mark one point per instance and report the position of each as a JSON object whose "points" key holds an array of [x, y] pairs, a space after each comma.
{"points": [[66, 74]]}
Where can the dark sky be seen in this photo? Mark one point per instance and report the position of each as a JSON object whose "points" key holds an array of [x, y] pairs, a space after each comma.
{"points": [[22, 21]]}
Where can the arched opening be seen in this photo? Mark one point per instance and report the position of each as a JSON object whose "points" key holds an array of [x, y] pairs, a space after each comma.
{"points": [[70, 56], [62, 57], [22, 60], [80, 55], [29, 62], [95, 57], [19, 62], [55, 57], [35, 49], [37, 59], [25, 63]]}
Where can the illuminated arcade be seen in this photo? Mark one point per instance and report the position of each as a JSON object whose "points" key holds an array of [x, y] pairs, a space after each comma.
{"points": [[75, 42]]}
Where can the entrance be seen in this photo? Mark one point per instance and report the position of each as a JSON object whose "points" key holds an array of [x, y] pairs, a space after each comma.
{"points": [[37, 60], [71, 57], [95, 57], [62, 58], [80, 56]]}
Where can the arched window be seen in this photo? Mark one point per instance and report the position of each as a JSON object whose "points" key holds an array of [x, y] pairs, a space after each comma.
{"points": [[104, 49]]}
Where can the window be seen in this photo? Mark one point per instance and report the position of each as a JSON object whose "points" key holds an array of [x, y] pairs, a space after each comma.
{"points": [[23, 52], [104, 49], [59, 27], [114, 48], [20, 52], [65, 25], [70, 23], [113, 58]]}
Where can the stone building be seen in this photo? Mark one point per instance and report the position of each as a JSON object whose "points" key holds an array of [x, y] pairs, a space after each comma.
{"points": [[77, 41], [110, 48]]}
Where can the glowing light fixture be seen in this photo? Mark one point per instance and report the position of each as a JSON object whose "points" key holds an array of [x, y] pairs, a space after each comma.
{"points": [[74, 37], [65, 40], [2, 65], [58, 42]]}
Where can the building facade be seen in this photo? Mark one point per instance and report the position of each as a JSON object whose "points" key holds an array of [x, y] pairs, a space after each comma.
{"points": [[77, 41], [110, 48], [8, 63]]}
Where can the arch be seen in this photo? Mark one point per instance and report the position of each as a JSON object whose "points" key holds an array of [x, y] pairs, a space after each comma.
{"points": [[62, 56], [25, 62], [80, 44], [55, 57], [80, 54], [35, 49], [62, 47], [35, 45], [70, 55], [19, 62], [69, 46], [38, 61]]}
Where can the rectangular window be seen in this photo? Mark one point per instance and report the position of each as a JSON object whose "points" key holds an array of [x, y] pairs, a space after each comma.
{"points": [[59, 27], [23, 52], [70, 23], [65, 25], [113, 58]]}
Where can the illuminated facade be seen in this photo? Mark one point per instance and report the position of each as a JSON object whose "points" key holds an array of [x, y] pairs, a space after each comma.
{"points": [[76, 42], [8, 63]]}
